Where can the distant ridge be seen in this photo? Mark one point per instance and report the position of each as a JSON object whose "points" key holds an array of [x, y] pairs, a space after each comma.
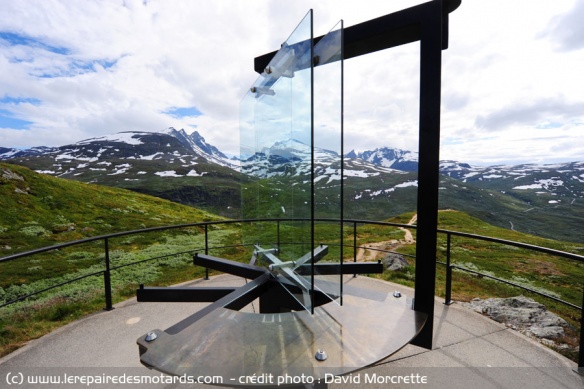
{"points": [[540, 199], [388, 157]]}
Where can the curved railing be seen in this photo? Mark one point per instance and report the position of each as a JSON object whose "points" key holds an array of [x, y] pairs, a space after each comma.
{"points": [[109, 266]]}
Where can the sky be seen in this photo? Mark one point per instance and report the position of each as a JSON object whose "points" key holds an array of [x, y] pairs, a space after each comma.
{"points": [[512, 85]]}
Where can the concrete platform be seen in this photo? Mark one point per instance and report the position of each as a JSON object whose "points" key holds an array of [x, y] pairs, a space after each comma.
{"points": [[470, 351]]}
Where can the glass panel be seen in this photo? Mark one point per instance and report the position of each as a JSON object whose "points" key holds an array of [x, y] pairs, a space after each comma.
{"points": [[328, 152], [280, 150], [276, 126]]}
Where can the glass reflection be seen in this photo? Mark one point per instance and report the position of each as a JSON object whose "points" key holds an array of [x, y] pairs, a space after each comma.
{"points": [[276, 116], [294, 173], [328, 155]]}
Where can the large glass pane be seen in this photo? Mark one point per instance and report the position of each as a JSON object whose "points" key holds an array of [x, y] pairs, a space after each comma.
{"points": [[328, 157], [294, 156], [276, 116]]}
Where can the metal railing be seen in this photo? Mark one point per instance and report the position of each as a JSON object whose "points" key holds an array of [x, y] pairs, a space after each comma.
{"points": [[109, 267], [545, 250]]}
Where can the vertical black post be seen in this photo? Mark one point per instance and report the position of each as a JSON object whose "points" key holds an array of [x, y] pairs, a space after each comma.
{"points": [[581, 352], [428, 167], [355, 245], [342, 250], [107, 278], [342, 194], [312, 166], [447, 298], [206, 249], [278, 236]]}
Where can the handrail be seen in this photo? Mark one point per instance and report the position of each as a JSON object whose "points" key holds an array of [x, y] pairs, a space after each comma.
{"points": [[449, 267], [51, 287], [278, 220], [540, 249], [516, 285]]}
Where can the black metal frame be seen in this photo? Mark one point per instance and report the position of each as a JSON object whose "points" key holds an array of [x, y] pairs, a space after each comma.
{"points": [[264, 285], [427, 23]]}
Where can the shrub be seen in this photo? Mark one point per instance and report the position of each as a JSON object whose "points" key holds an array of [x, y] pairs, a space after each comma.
{"points": [[35, 230]]}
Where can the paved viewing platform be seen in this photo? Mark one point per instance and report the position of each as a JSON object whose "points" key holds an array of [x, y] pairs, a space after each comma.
{"points": [[470, 350]]}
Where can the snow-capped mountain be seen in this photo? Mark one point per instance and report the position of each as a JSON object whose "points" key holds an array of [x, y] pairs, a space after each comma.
{"points": [[562, 178], [388, 157], [130, 156], [292, 158], [198, 144], [378, 183], [170, 164], [8, 153], [106, 154]]}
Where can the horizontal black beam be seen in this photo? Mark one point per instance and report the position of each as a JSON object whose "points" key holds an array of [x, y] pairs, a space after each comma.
{"points": [[181, 295], [387, 31], [347, 268], [227, 266], [235, 300]]}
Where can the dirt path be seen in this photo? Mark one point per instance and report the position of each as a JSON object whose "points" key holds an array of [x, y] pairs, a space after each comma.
{"points": [[370, 252], [409, 238]]}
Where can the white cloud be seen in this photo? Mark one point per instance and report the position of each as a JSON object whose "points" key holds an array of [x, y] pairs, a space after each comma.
{"points": [[567, 30], [511, 71]]}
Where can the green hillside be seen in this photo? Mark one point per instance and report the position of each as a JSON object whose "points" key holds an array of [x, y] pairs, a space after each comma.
{"points": [[558, 276], [216, 189], [551, 275], [38, 210]]}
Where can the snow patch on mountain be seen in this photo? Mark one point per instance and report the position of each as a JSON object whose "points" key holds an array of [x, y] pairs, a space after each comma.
{"points": [[150, 157], [371, 194], [131, 138], [168, 173], [194, 173], [406, 184], [120, 169], [544, 183]]}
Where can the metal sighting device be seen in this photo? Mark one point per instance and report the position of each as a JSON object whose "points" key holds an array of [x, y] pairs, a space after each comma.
{"points": [[314, 320]]}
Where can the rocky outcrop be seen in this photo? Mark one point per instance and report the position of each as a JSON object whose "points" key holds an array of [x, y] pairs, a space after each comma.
{"points": [[394, 262], [8, 174], [523, 314]]}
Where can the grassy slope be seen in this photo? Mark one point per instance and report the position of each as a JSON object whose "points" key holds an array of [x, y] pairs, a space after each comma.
{"points": [[559, 276], [216, 190], [41, 210], [38, 210], [551, 275]]}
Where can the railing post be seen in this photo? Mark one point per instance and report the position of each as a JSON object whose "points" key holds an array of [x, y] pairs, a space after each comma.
{"points": [[206, 249], [581, 352], [278, 236], [447, 298], [355, 245], [107, 278]]}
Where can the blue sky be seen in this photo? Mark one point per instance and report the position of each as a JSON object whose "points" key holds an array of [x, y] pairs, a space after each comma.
{"points": [[75, 70]]}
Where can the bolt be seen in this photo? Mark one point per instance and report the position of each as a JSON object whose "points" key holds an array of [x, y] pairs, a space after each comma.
{"points": [[151, 336], [321, 355]]}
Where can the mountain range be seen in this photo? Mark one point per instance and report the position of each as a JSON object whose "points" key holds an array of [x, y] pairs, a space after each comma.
{"points": [[546, 200]]}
